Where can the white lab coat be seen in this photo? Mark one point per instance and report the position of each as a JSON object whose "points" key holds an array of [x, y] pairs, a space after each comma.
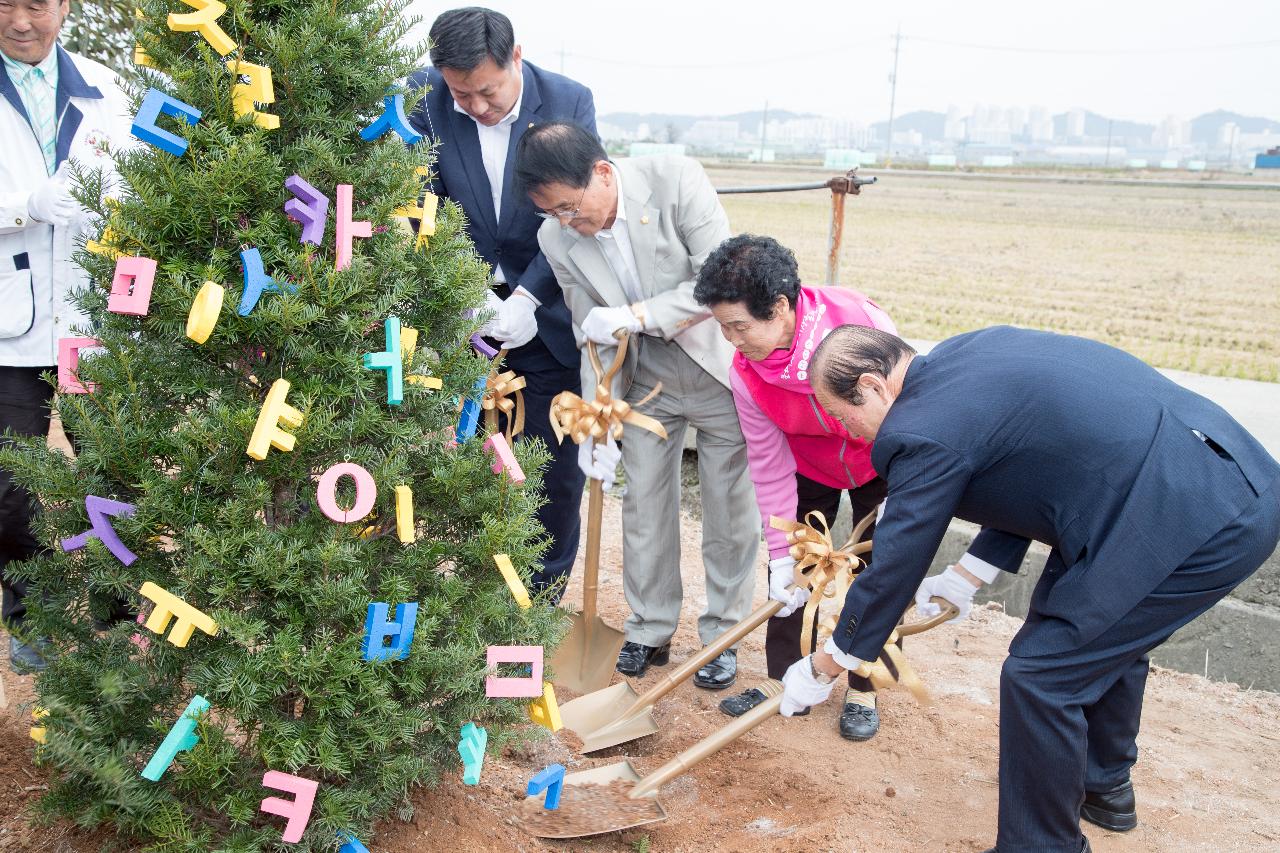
{"points": [[35, 301]]}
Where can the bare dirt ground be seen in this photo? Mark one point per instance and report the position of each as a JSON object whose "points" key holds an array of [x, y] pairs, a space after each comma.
{"points": [[1206, 777]]}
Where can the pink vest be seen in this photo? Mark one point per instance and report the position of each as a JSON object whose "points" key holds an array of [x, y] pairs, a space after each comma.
{"points": [[824, 451]]}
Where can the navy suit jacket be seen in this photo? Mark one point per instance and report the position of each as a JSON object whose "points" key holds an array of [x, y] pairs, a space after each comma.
{"points": [[1058, 439], [460, 176]]}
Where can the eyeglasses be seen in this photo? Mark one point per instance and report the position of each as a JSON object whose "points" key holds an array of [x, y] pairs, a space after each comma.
{"points": [[566, 215]]}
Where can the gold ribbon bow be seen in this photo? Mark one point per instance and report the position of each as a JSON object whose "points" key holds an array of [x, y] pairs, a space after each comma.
{"points": [[581, 419], [502, 394], [829, 572], [826, 570]]}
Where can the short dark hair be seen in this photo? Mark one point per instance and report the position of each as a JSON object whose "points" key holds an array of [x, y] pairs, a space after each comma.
{"points": [[850, 351], [750, 269], [462, 39], [558, 152]]}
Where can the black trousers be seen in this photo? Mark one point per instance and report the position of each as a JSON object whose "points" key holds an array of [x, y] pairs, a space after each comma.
{"points": [[782, 635], [545, 377], [1069, 721], [24, 409]]}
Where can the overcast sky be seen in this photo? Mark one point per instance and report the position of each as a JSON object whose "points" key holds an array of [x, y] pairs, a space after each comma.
{"points": [[1133, 59]]}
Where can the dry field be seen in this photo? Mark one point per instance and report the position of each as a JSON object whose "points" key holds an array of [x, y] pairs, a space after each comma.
{"points": [[1184, 278]]}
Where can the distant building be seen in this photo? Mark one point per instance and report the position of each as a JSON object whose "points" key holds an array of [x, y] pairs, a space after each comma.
{"points": [[1173, 132], [1075, 123], [712, 133], [648, 149], [1040, 125], [845, 159]]}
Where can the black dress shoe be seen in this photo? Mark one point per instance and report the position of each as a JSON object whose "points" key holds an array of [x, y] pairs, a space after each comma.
{"points": [[858, 722], [736, 706], [1113, 810], [1085, 849], [720, 673], [635, 658]]}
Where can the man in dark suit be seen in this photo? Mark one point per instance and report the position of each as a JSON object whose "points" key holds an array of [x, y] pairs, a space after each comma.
{"points": [[482, 98], [1156, 504]]}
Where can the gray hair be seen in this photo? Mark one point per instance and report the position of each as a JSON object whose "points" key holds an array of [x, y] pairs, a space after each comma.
{"points": [[850, 351]]}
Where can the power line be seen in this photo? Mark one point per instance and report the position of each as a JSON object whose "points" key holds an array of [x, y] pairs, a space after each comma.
{"points": [[1117, 51]]}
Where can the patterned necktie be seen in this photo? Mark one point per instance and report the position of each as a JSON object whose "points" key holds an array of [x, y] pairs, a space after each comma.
{"points": [[44, 120]]}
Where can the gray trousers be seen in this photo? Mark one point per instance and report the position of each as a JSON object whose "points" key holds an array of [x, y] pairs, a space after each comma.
{"points": [[651, 508]]}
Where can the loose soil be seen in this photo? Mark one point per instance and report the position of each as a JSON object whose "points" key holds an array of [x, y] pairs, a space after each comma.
{"points": [[1206, 777]]}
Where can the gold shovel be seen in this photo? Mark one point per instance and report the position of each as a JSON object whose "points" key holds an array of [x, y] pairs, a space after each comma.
{"points": [[586, 659], [617, 714], [576, 785]]}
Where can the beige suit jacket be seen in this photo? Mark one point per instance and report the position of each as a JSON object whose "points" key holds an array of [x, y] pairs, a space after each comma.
{"points": [[674, 220]]}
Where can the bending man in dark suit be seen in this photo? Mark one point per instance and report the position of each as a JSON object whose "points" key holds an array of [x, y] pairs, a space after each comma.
{"points": [[482, 98], [1155, 501]]}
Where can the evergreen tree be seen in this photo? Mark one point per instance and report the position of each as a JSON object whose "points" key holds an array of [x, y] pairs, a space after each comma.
{"points": [[102, 31], [167, 425]]}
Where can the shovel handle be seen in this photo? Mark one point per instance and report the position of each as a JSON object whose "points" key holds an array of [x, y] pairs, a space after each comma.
{"points": [[708, 654], [949, 612], [591, 560], [710, 745]]}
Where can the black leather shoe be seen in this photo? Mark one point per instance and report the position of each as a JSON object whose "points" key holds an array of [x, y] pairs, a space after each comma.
{"points": [[736, 706], [1113, 810], [1085, 849], [858, 722], [635, 658], [720, 673]]}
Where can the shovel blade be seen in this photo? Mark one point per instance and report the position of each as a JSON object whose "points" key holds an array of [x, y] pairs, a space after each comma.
{"points": [[619, 772], [588, 656], [598, 718]]}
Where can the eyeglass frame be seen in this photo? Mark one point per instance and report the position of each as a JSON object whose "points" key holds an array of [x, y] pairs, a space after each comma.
{"points": [[570, 215]]}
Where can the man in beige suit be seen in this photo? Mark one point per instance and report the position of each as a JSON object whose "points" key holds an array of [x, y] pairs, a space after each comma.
{"points": [[626, 241]]}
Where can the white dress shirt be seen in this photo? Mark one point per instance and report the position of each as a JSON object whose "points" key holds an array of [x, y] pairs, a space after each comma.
{"points": [[615, 243], [494, 143]]}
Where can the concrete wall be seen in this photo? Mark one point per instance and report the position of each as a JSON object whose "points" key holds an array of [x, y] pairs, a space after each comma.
{"points": [[1238, 640]]}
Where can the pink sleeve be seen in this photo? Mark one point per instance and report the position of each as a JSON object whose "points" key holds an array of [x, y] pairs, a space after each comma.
{"points": [[773, 468], [879, 318]]}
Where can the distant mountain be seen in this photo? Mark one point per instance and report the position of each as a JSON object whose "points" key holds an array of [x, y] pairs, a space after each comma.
{"points": [[930, 124], [1204, 129], [748, 121], [1096, 126]]}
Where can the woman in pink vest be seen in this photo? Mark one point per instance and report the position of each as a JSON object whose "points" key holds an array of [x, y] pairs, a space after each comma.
{"points": [[800, 457]]}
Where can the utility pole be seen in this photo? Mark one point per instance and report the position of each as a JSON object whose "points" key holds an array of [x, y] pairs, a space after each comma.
{"points": [[764, 125], [893, 97], [1107, 160]]}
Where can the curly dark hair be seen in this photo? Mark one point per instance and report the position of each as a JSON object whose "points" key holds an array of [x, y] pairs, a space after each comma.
{"points": [[751, 269]]}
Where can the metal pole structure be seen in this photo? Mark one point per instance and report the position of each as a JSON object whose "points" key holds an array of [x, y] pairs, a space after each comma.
{"points": [[847, 184], [764, 124], [893, 98], [835, 234]]}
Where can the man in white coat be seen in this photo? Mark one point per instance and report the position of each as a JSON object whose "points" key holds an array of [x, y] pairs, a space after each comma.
{"points": [[626, 241], [56, 107]]}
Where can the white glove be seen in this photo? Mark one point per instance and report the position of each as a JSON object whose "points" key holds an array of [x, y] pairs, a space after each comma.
{"points": [[52, 202], [782, 571], [601, 322], [800, 689], [515, 324], [492, 302], [600, 461], [950, 585]]}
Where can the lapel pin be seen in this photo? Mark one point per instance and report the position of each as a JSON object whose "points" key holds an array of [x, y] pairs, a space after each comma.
{"points": [[530, 125], [644, 220]]}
